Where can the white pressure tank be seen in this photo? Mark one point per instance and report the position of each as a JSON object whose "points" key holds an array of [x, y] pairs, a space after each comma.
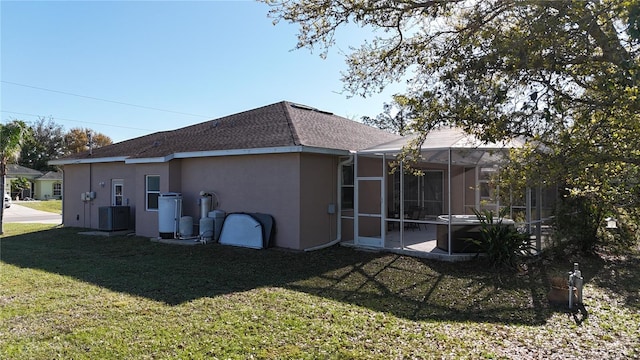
{"points": [[186, 226], [206, 229], [169, 213], [218, 219], [205, 204]]}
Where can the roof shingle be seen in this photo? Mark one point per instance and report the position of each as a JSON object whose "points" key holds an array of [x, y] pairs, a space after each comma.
{"points": [[281, 124]]}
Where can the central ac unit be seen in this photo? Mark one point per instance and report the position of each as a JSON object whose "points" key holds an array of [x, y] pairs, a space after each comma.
{"points": [[111, 218]]}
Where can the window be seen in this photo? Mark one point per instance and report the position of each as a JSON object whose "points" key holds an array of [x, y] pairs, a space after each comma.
{"points": [[488, 189], [57, 189], [152, 191], [347, 187], [117, 192]]}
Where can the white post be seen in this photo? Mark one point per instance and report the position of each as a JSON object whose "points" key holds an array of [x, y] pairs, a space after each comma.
{"points": [[449, 203], [383, 202], [401, 215], [355, 201]]}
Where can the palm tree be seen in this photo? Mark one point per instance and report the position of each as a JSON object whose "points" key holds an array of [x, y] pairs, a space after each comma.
{"points": [[11, 137]]}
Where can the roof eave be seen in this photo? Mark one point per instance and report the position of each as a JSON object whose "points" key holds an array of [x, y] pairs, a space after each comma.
{"points": [[87, 160], [236, 152], [200, 154]]}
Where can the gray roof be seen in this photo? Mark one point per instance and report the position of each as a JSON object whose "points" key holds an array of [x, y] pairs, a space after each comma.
{"points": [[278, 125], [15, 170], [51, 175]]}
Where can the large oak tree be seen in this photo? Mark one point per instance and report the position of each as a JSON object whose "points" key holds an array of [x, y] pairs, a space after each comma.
{"points": [[564, 74], [81, 139], [46, 142]]}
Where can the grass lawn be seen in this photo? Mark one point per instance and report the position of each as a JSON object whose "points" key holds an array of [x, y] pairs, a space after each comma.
{"points": [[53, 206], [65, 295]]}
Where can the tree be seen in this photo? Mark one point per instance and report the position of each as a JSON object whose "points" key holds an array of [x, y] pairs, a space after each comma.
{"points": [[79, 139], [19, 185], [11, 137], [45, 143], [396, 116], [563, 74]]}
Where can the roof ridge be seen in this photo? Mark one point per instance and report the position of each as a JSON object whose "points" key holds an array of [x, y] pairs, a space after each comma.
{"points": [[295, 137]]}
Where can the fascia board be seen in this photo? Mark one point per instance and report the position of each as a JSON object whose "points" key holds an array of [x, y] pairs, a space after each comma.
{"points": [[236, 152], [87, 161], [153, 160]]}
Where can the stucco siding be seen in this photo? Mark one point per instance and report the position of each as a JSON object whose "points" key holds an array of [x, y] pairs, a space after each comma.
{"points": [[75, 181], [82, 178], [268, 183], [318, 181], [147, 220]]}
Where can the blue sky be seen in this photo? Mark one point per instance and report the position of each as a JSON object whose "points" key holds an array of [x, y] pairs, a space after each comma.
{"points": [[206, 58]]}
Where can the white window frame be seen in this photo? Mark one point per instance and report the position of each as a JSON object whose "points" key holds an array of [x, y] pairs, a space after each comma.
{"points": [[345, 185], [148, 192], [115, 183]]}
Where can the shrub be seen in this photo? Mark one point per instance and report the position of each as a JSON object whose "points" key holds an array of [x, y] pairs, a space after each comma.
{"points": [[580, 226], [503, 244]]}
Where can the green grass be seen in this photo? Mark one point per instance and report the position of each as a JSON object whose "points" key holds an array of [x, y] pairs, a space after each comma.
{"points": [[53, 206], [66, 295]]}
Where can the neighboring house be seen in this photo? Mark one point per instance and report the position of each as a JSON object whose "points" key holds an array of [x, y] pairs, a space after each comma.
{"points": [[43, 186], [284, 159], [49, 186]]}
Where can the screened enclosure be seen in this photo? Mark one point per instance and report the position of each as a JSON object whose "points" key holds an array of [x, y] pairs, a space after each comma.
{"points": [[432, 213]]}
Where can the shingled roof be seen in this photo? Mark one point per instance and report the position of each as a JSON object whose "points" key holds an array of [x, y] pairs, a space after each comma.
{"points": [[275, 126], [15, 170]]}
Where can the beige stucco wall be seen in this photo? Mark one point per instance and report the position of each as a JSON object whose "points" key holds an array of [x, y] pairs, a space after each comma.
{"points": [[79, 178], [268, 183], [147, 220], [319, 192], [75, 181], [296, 189]]}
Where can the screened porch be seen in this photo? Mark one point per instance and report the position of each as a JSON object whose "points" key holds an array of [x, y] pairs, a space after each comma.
{"points": [[431, 214]]}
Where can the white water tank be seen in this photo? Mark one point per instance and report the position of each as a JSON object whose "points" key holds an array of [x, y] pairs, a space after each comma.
{"points": [[206, 229], [169, 213], [186, 226], [205, 204], [218, 220]]}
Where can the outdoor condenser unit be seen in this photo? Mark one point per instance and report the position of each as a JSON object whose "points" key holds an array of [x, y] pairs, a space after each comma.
{"points": [[111, 218]]}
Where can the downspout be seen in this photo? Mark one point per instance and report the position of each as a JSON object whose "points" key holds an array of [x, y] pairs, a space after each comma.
{"points": [[338, 209], [90, 201], [62, 197]]}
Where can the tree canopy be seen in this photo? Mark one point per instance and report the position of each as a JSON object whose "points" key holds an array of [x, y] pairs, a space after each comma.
{"points": [[395, 118], [563, 74], [46, 142], [12, 136], [81, 139]]}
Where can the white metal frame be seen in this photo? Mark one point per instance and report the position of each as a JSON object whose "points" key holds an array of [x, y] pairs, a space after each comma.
{"points": [[367, 240]]}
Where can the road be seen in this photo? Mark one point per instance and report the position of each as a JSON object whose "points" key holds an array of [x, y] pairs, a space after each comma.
{"points": [[23, 214]]}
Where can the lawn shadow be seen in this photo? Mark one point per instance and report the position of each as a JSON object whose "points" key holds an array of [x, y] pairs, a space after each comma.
{"points": [[407, 287], [621, 275]]}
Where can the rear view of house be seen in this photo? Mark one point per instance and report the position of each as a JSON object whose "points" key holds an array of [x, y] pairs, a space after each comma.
{"points": [[283, 159]]}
